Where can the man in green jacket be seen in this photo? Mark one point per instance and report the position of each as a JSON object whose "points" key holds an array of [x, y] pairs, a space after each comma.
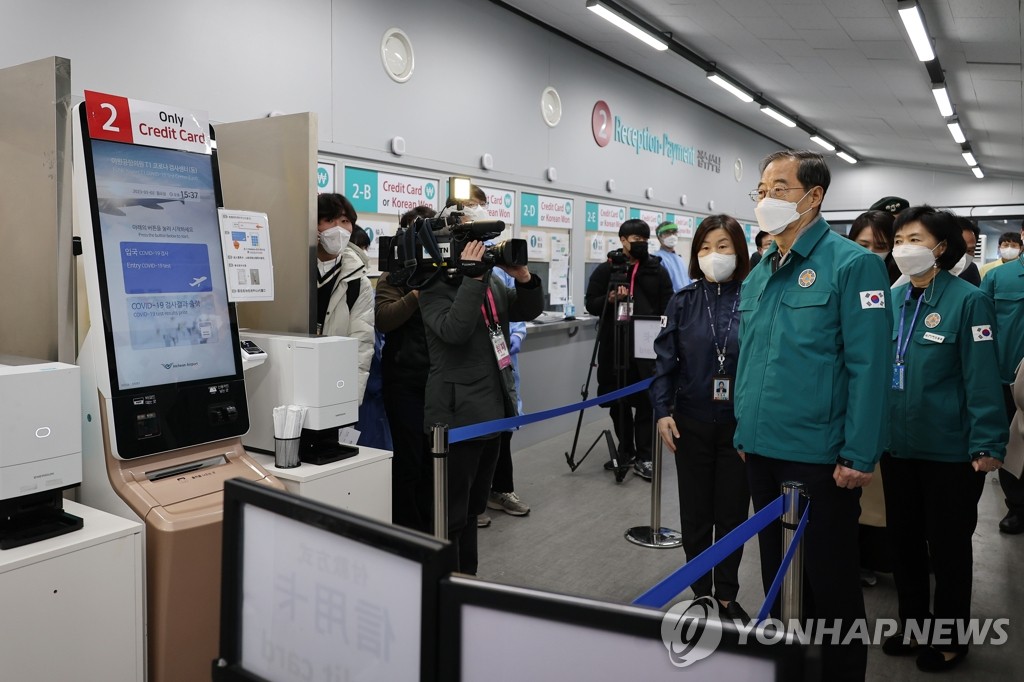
{"points": [[811, 388], [1005, 286]]}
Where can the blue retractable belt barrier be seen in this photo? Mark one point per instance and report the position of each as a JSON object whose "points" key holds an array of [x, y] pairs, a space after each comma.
{"points": [[769, 598], [669, 588], [461, 433]]}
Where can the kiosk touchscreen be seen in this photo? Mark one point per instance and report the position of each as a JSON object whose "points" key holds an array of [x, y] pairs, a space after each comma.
{"points": [[546, 636], [163, 398], [312, 592]]}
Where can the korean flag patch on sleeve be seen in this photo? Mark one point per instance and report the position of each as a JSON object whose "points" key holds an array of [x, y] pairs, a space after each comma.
{"points": [[872, 299], [983, 332]]}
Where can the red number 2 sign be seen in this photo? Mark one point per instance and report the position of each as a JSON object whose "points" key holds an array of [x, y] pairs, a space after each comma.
{"points": [[109, 117]]}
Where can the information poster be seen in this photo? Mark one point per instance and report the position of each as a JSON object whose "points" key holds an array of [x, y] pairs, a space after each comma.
{"points": [[386, 193], [542, 211], [604, 217], [597, 247], [375, 229], [248, 265], [538, 247], [326, 173]]}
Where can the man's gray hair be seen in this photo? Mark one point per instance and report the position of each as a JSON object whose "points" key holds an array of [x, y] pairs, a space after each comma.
{"points": [[812, 171]]}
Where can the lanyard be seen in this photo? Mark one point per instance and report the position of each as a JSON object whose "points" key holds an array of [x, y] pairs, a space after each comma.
{"points": [[494, 320], [719, 349], [632, 278], [901, 347]]}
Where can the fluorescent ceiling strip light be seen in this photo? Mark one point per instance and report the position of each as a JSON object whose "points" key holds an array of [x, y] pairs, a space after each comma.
{"points": [[626, 25], [846, 157], [969, 158], [736, 90], [956, 132], [977, 173], [913, 21], [784, 120], [942, 99], [822, 142]]}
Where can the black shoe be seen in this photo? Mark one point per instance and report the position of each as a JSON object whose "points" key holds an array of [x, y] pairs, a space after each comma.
{"points": [[1011, 524], [931, 660], [733, 612], [896, 646], [643, 469]]}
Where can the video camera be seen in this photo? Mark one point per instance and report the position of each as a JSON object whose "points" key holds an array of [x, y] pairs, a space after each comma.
{"points": [[432, 247]]}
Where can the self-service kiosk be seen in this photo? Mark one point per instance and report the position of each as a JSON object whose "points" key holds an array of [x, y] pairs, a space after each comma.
{"points": [[163, 401]]}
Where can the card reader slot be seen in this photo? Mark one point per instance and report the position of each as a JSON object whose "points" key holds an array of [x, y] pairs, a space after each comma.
{"points": [[178, 470]]}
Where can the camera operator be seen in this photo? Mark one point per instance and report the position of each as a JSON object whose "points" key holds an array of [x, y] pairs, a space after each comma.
{"points": [[631, 282], [470, 381], [405, 363]]}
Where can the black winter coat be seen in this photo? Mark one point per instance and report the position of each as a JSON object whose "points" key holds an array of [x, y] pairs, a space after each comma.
{"points": [[652, 291]]}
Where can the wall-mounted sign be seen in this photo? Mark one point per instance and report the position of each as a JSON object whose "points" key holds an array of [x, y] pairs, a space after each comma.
{"points": [[652, 218], [501, 203], [601, 123], [248, 264], [325, 177], [374, 192], [604, 217], [684, 223], [541, 211], [610, 128]]}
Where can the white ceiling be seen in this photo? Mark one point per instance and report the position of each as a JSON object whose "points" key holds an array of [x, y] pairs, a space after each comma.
{"points": [[844, 67]]}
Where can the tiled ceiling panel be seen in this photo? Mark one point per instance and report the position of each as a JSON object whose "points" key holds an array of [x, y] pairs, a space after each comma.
{"points": [[844, 67]]}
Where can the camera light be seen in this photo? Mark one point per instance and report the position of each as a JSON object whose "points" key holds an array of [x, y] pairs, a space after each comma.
{"points": [[458, 188]]}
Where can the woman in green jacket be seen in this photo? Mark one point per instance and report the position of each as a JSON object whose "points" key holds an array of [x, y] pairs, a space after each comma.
{"points": [[946, 430]]}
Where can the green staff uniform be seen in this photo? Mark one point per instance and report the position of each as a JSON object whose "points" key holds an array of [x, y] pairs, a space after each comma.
{"points": [[814, 359]]}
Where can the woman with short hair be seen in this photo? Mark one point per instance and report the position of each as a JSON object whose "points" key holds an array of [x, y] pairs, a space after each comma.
{"points": [[947, 429]]}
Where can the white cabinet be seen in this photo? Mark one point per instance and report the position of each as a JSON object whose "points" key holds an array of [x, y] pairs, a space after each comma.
{"points": [[361, 484], [72, 606]]}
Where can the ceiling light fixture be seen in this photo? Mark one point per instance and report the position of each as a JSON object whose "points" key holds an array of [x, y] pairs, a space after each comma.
{"points": [[956, 131], [942, 99], [784, 120], [721, 82], [615, 16], [977, 173], [846, 157], [969, 157], [822, 142], [913, 21]]}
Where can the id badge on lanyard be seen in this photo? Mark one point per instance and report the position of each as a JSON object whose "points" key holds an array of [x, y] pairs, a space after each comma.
{"points": [[501, 352]]}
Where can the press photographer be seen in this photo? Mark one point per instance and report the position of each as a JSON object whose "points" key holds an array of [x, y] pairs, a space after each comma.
{"points": [[631, 282], [466, 312]]}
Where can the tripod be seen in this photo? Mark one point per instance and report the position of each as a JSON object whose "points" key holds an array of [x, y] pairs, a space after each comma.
{"points": [[620, 348]]}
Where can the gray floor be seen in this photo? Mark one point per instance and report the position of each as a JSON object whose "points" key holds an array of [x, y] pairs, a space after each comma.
{"points": [[572, 542]]}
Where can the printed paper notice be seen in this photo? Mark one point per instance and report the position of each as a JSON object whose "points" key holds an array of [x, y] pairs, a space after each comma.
{"points": [[248, 266]]}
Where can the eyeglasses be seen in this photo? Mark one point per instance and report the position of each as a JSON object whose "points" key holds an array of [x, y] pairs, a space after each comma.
{"points": [[775, 193]]}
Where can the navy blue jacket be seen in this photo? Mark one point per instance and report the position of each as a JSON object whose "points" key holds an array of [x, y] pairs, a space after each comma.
{"points": [[687, 360]]}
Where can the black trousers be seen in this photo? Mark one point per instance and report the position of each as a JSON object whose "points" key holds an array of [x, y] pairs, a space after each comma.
{"points": [[713, 499], [412, 467], [470, 471], [634, 431], [831, 573], [932, 508], [1013, 487], [503, 469]]}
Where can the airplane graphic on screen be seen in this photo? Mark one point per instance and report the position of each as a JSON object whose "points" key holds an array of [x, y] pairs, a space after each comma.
{"points": [[117, 206], [197, 281]]}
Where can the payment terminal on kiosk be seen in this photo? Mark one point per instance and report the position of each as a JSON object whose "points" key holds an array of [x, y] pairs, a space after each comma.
{"points": [[163, 401]]}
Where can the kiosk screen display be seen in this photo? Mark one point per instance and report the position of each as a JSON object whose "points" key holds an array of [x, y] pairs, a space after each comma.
{"points": [[167, 301]]}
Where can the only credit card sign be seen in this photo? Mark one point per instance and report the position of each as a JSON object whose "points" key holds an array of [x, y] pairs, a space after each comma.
{"points": [[120, 119]]}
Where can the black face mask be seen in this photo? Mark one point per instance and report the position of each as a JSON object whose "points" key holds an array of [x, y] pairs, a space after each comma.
{"points": [[638, 250]]}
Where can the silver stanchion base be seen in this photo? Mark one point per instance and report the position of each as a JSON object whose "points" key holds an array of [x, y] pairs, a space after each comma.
{"points": [[645, 536]]}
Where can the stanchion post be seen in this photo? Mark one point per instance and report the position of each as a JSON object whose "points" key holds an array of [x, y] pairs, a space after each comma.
{"points": [[792, 596], [439, 449], [654, 535]]}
